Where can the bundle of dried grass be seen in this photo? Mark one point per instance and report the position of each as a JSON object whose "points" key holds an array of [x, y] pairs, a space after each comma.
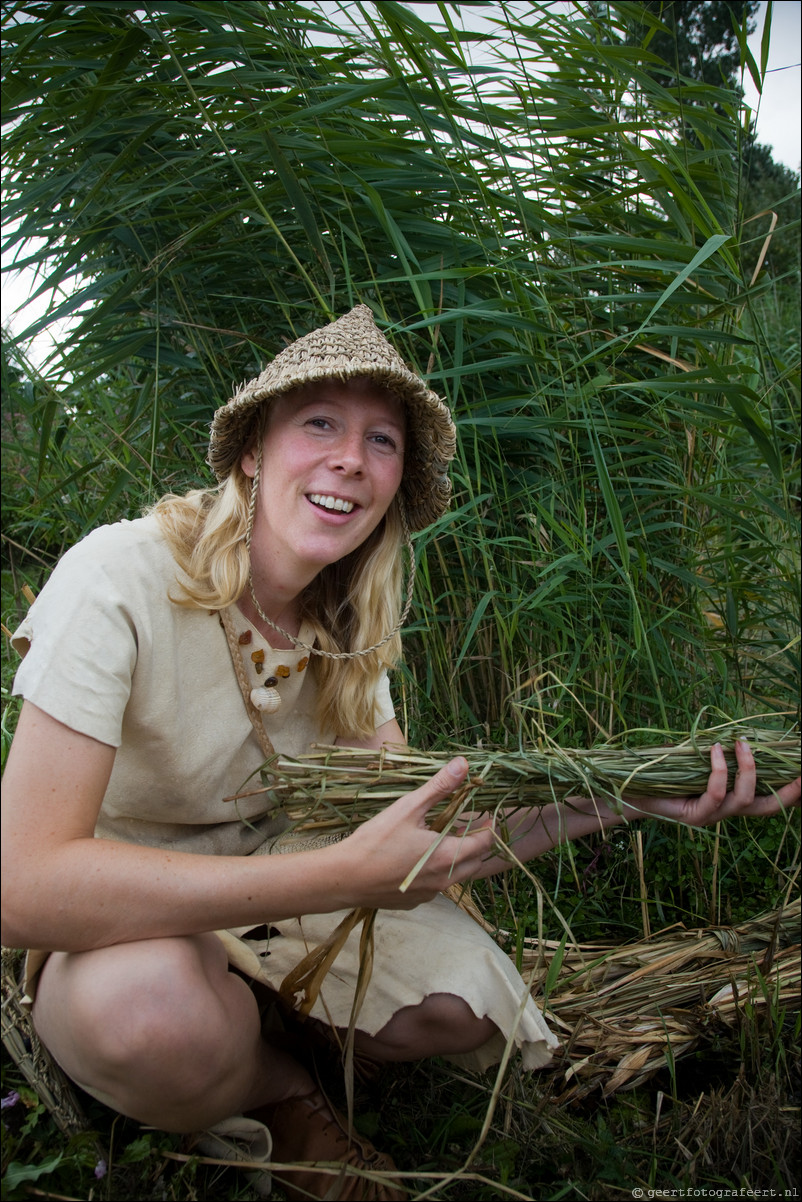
{"points": [[624, 1011], [334, 789], [627, 1010]]}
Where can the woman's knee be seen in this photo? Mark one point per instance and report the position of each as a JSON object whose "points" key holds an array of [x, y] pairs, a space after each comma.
{"points": [[151, 1007], [451, 1019], [442, 1024]]}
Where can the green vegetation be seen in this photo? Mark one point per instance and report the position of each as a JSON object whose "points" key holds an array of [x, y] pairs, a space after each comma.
{"points": [[564, 226]]}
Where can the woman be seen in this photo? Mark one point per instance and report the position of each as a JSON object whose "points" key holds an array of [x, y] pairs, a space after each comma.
{"points": [[166, 658]]}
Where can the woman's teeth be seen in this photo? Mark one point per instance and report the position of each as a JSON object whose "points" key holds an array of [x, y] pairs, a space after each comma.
{"points": [[331, 502]]}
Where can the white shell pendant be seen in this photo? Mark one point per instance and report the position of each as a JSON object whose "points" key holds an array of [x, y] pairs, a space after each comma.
{"points": [[266, 698]]}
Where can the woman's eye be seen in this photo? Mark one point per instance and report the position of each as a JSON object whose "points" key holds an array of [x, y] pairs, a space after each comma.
{"points": [[384, 440]]}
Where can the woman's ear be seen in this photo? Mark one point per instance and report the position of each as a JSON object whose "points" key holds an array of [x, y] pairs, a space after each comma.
{"points": [[248, 458], [248, 462]]}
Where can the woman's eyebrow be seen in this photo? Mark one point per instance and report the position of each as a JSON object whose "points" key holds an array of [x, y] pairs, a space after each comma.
{"points": [[385, 420]]}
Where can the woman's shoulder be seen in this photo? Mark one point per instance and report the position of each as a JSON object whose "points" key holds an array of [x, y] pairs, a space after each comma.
{"points": [[125, 543], [117, 560], [103, 613], [117, 569]]}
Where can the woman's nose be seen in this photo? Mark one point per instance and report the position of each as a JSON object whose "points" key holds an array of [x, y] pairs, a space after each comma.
{"points": [[349, 454]]}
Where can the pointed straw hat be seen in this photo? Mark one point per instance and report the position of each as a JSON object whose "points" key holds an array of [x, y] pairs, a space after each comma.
{"points": [[349, 347]]}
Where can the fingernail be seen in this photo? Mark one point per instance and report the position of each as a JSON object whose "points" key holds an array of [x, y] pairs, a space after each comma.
{"points": [[743, 739]]}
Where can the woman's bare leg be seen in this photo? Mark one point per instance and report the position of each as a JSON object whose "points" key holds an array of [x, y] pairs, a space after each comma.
{"points": [[161, 1031], [441, 1025]]}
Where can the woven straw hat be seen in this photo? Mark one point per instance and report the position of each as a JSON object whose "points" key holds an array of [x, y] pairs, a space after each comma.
{"points": [[351, 346]]}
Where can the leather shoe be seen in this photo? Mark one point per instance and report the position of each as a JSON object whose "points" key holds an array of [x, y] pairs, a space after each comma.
{"points": [[310, 1129]]}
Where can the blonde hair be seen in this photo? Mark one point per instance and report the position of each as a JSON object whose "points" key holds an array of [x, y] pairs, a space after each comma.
{"points": [[350, 604]]}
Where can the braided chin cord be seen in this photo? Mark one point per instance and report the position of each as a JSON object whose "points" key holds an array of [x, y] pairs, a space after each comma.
{"points": [[285, 633]]}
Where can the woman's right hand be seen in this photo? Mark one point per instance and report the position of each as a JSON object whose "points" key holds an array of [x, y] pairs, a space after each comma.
{"points": [[380, 854]]}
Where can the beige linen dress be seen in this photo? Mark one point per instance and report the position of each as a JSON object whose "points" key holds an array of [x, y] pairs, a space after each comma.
{"points": [[109, 654]]}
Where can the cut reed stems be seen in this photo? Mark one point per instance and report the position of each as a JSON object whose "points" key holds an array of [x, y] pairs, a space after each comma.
{"points": [[626, 1010], [334, 789]]}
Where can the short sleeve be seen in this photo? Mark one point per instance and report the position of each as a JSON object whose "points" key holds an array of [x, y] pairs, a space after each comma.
{"points": [[79, 639], [385, 710]]}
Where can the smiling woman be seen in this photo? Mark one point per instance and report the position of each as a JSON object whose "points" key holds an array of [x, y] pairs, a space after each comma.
{"points": [[325, 463], [178, 923]]}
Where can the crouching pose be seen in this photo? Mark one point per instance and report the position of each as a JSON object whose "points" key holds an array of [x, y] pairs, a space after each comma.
{"points": [[163, 661]]}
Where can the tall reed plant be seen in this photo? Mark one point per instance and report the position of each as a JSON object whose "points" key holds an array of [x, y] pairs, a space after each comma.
{"points": [[549, 225], [549, 232], [557, 232]]}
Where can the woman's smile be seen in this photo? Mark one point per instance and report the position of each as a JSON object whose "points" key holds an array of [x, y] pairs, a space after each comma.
{"points": [[332, 503]]}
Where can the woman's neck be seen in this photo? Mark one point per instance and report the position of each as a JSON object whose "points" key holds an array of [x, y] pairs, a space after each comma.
{"points": [[280, 601]]}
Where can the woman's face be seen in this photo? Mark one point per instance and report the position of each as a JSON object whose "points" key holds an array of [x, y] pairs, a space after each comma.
{"points": [[332, 462]]}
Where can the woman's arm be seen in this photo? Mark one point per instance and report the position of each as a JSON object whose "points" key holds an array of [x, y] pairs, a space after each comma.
{"points": [[65, 890]]}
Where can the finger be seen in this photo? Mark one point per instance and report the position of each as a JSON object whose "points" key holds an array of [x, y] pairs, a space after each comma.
{"points": [[467, 861], [743, 790], [461, 855], [443, 783], [473, 824], [786, 798], [702, 810], [716, 790], [477, 844], [790, 795]]}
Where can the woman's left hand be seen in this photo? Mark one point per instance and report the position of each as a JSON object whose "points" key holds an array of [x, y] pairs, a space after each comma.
{"points": [[716, 803]]}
